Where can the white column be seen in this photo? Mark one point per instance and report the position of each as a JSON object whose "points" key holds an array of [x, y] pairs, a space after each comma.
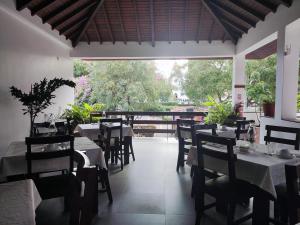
{"points": [[290, 71], [279, 73], [238, 79]]}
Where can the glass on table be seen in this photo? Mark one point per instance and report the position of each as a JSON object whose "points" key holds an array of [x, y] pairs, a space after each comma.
{"points": [[271, 148]]}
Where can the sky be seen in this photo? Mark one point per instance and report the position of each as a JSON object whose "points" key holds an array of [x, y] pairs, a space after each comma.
{"points": [[165, 66]]}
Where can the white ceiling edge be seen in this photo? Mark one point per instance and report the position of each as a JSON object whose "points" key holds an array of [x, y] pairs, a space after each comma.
{"points": [[34, 22], [162, 50]]}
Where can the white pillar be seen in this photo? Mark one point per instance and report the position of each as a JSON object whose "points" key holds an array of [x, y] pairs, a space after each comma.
{"points": [[279, 73], [290, 71], [238, 79]]}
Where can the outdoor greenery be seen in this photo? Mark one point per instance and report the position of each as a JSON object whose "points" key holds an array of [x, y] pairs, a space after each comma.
{"points": [[81, 68], [218, 112], [124, 85], [39, 96], [261, 80], [208, 78]]}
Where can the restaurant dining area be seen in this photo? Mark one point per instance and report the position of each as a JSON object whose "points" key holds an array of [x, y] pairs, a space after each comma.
{"points": [[149, 112]]}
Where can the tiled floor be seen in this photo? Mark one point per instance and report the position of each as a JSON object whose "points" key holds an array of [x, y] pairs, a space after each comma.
{"points": [[147, 192]]}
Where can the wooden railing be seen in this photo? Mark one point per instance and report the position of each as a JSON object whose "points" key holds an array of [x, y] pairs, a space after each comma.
{"points": [[132, 118]]}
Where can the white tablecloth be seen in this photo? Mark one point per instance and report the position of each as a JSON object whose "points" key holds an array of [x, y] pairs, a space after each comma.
{"points": [[18, 201], [14, 162], [255, 167], [92, 131], [229, 132]]}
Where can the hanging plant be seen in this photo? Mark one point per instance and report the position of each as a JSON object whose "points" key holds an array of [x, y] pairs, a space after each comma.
{"points": [[39, 97]]}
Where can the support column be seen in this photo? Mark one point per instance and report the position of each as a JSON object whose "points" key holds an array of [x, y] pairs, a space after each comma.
{"points": [[279, 73], [238, 79]]}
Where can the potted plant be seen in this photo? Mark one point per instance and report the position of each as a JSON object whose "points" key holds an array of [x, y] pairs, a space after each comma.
{"points": [[218, 112], [39, 97]]}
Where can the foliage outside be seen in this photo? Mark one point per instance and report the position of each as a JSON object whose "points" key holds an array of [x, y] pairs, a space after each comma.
{"points": [[218, 112], [208, 78], [261, 80]]}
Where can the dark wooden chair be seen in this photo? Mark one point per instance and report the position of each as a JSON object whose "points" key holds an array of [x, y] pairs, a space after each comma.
{"points": [[36, 127], [84, 192], [280, 204], [184, 143], [227, 188], [292, 174], [231, 120], [62, 128], [242, 127], [295, 142], [112, 145], [51, 186]]}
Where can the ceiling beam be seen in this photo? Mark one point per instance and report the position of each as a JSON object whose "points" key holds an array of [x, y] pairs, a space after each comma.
{"points": [[71, 35], [184, 19], [234, 13], [287, 3], [108, 25], [210, 31], [22, 4], [152, 22], [169, 20], [267, 5], [58, 11], [199, 23], [71, 26], [87, 38], [121, 21], [249, 10], [215, 14], [91, 17], [98, 33], [137, 22], [72, 14], [41, 6], [236, 26]]}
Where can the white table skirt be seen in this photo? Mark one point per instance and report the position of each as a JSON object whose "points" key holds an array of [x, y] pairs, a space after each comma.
{"points": [[257, 168], [92, 131], [18, 202], [14, 162]]}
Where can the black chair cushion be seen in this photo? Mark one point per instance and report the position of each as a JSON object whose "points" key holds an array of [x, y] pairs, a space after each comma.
{"points": [[220, 187], [53, 186]]}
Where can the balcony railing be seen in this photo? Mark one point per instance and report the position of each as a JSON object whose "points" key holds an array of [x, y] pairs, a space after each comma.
{"points": [[142, 124]]}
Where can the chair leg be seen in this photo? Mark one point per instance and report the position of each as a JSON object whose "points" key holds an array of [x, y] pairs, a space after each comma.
{"points": [[121, 157], [131, 147], [230, 213], [107, 186]]}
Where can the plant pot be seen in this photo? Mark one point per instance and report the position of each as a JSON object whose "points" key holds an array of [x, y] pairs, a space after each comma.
{"points": [[269, 109]]}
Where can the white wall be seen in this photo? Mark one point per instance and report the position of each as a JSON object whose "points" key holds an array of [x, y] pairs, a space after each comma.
{"points": [[27, 54]]}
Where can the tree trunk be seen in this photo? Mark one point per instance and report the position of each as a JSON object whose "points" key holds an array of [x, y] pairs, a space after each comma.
{"points": [[31, 134]]}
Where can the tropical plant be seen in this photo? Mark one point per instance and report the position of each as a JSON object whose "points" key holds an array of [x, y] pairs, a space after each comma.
{"points": [[39, 96], [218, 112], [81, 114]]}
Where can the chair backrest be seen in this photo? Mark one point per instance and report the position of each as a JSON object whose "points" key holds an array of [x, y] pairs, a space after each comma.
{"points": [[184, 126], [295, 142], [242, 127], [116, 124], [226, 153], [33, 156], [199, 127], [36, 127], [292, 174], [62, 128], [231, 120]]}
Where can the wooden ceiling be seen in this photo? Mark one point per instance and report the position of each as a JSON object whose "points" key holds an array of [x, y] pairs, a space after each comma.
{"points": [[151, 20]]}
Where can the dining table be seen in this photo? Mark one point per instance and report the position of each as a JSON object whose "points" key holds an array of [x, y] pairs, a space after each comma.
{"points": [[92, 131], [18, 202], [255, 165], [13, 161]]}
